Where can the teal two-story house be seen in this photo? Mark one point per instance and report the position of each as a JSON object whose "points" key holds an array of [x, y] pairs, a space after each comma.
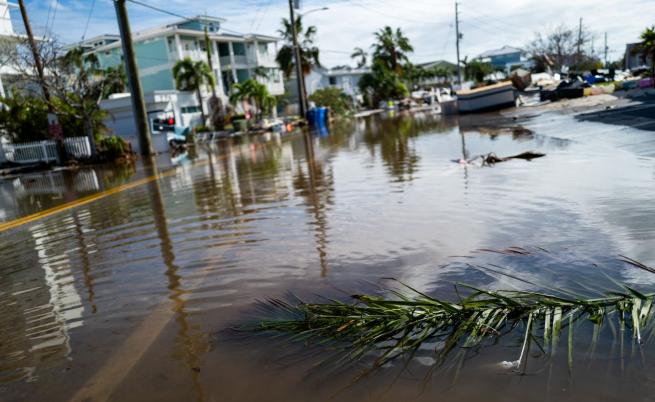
{"points": [[235, 57]]}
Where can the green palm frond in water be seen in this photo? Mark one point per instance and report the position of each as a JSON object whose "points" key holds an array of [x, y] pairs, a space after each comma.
{"points": [[388, 328]]}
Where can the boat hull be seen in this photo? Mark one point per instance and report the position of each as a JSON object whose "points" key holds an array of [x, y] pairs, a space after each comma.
{"points": [[484, 100]]}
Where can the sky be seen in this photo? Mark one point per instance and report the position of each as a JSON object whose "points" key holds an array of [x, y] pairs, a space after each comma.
{"points": [[429, 24]]}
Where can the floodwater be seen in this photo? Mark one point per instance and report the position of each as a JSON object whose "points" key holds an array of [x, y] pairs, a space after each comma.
{"points": [[126, 296]]}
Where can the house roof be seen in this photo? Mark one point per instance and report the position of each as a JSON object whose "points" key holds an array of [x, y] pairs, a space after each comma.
{"points": [[437, 63], [200, 18], [500, 52], [173, 28]]}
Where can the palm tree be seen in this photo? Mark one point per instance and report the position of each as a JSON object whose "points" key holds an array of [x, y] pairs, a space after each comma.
{"points": [[476, 70], [392, 48], [191, 76], [254, 93], [360, 55], [647, 46], [308, 52], [115, 80]]}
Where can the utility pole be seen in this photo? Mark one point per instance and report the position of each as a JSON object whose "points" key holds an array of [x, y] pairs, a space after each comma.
{"points": [[35, 51], [54, 129], [458, 36], [302, 100], [578, 54], [606, 49], [138, 103]]}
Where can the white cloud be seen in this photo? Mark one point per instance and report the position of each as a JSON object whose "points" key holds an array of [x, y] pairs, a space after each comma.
{"points": [[486, 24]]}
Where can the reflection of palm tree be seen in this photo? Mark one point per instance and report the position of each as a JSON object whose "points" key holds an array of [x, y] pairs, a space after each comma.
{"points": [[393, 138]]}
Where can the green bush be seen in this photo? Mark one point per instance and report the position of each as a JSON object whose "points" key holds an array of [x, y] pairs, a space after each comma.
{"points": [[333, 98], [202, 129], [113, 147], [23, 118]]}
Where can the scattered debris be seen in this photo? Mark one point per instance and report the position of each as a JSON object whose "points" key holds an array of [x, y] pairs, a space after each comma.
{"points": [[491, 158]]}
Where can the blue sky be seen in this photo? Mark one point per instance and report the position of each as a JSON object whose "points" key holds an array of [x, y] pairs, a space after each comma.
{"points": [[486, 24]]}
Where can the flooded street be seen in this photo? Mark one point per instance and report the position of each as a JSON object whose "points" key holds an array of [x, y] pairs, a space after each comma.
{"points": [[123, 287]]}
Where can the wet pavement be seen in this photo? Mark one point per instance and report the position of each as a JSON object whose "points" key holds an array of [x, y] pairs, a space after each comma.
{"points": [[126, 297]]}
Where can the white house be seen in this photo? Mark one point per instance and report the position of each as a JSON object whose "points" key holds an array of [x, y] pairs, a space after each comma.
{"points": [[7, 35], [344, 78]]}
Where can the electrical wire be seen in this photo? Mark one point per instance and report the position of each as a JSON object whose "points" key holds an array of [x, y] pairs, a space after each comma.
{"points": [[54, 15], [88, 20]]}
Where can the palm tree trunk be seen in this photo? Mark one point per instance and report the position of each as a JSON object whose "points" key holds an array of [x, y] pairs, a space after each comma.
{"points": [[202, 110]]}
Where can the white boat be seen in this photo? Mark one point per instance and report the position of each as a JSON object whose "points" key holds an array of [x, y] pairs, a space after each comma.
{"points": [[491, 97]]}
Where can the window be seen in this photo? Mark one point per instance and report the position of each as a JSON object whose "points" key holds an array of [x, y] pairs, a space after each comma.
{"points": [[263, 48], [239, 49], [243, 75], [223, 49], [333, 80], [228, 80], [190, 109]]}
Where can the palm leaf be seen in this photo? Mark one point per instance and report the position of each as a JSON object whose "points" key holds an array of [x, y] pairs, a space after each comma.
{"points": [[397, 325]]}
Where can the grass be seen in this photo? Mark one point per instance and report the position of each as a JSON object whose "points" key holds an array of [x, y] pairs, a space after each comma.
{"points": [[400, 323]]}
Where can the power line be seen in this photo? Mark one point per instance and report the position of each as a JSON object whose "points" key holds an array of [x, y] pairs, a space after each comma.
{"points": [[54, 15], [88, 20], [391, 16]]}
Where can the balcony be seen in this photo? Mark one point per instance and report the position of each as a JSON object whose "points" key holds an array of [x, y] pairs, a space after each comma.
{"points": [[238, 61]]}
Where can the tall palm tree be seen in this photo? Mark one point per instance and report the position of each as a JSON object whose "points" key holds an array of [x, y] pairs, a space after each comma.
{"points": [[392, 48], [309, 54], [647, 46], [360, 55], [191, 76]]}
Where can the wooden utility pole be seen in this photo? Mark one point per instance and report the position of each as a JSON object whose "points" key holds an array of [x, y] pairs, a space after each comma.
{"points": [[35, 51], [578, 55], [54, 129], [458, 36], [138, 103], [302, 99], [606, 49]]}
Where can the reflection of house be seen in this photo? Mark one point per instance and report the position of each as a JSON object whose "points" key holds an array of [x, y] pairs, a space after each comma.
{"points": [[634, 58], [235, 57], [505, 58]]}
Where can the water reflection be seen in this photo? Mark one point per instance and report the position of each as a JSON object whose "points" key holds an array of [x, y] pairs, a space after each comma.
{"points": [[254, 217], [393, 138]]}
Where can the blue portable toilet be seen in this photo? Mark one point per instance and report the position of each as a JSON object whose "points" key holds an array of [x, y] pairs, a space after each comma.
{"points": [[322, 115]]}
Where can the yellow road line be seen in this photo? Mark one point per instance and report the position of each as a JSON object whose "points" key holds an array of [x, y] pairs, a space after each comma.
{"points": [[82, 201]]}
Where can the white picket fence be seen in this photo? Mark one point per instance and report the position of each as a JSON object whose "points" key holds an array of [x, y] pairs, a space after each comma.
{"points": [[44, 151]]}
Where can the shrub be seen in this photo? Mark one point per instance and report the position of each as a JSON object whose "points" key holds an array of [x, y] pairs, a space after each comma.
{"points": [[24, 118], [113, 147], [333, 98]]}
